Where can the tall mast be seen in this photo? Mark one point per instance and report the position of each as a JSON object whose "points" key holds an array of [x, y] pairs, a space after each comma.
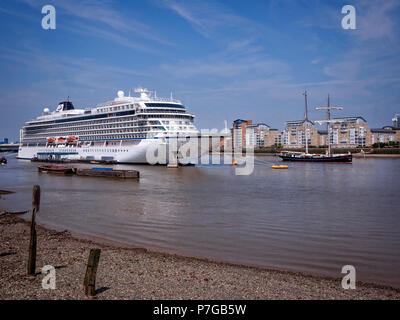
{"points": [[328, 109], [329, 126], [306, 121]]}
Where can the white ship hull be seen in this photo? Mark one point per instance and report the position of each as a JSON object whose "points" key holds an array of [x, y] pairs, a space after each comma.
{"points": [[132, 153], [135, 151]]}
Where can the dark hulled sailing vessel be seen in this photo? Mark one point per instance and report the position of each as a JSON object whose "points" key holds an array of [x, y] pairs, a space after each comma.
{"points": [[307, 157], [304, 157]]}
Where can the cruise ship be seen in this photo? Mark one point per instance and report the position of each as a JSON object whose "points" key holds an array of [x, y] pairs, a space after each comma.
{"points": [[120, 131]]}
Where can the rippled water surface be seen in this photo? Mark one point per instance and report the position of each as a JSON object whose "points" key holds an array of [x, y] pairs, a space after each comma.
{"points": [[312, 217]]}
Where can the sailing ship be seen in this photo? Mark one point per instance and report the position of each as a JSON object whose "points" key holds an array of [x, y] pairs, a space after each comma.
{"points": [[328, 156]]}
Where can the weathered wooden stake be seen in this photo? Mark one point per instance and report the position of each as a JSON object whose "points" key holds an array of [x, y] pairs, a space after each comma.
{"points": [[32, 243], [91, 270]]}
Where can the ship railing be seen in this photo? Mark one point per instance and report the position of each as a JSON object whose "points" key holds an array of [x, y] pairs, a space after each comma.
{"points": [[166, 100], [137, 99]]}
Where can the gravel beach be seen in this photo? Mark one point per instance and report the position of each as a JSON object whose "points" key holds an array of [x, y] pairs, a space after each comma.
{"points": [[130, 273]]}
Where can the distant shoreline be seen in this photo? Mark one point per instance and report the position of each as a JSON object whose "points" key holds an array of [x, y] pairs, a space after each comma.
{"points": [[137, 273], [375, 155]]}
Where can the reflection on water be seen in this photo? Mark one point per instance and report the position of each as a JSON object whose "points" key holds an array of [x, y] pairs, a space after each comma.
{"points": [[312, 217]]}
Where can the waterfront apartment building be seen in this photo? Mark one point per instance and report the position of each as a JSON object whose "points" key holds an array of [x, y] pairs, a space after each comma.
{"points": [[273, 138], [255, 135], [346, 132], [396, 121], [245, 134], [350, 132], [294, 134], [387, 134], [239, 133]]}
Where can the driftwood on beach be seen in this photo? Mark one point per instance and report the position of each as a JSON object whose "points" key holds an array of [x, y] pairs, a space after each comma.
{"points": [[91, 271], [31, 268]]}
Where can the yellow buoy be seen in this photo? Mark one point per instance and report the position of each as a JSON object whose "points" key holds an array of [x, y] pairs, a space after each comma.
{"points": [[279, 166]]}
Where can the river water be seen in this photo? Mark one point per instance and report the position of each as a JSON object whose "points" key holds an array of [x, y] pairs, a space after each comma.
{"points": [[312, 217]]}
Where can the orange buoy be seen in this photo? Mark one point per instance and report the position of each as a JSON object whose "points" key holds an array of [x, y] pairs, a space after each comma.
{"points": [[279, 166]]}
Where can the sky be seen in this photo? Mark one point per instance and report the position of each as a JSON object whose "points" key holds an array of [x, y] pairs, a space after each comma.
{"points": [[223, 59]]}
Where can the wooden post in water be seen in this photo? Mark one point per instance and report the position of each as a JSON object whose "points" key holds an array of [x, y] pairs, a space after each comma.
{"points": [[91, 270], [32, 242]]}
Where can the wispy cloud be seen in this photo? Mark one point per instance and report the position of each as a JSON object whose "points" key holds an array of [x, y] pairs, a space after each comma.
{"points": [[375, 19], [316, 61], [109, 22], [88, 30], [58, 75], [228, 68], [212, 19]]}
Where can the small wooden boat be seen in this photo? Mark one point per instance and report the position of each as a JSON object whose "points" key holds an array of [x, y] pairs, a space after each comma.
{"points": [[56, 169], [279, 166]]}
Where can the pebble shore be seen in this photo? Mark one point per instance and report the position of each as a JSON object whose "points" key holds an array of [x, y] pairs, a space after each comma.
{"points": [[130, 273]]}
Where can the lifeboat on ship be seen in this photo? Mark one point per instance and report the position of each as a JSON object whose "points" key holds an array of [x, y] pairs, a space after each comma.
{"points": [[61, 139], [72, 139], [51, 140]]}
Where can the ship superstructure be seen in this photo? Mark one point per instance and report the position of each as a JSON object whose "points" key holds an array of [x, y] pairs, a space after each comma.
{"points": [[120, 130]]}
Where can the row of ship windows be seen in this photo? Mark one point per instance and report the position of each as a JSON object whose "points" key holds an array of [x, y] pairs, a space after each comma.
{"points": [[119, 125], [105, 137], [102, 137], [92, 122], [115, 120], [45, 135], [161, 111], [122, 130], [86, 128], [93, 131], [132, 106], [125, 136], [118, 108], [104, 150]]}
